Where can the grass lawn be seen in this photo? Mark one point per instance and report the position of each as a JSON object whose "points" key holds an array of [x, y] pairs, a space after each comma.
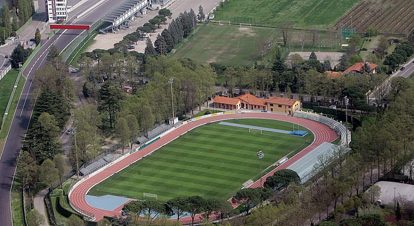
{"points": [[205, 111], [15, 101], [212, 161], [230, 45], [299, 13], [17, 204], [6, 87]]}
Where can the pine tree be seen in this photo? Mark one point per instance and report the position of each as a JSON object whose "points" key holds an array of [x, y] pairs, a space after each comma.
{"points": [[168, 40], [313, 56], [201, 15], [38, 37], [160, 45], [172, 28], [149, 50], [193, 18], [5, 18]]}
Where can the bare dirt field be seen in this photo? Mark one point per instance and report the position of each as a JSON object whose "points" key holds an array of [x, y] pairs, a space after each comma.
{"points": [[107, 41], [385, 16]]}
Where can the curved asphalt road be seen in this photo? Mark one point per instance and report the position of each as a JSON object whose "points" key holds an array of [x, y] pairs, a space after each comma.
{"points": [[24, 109]]}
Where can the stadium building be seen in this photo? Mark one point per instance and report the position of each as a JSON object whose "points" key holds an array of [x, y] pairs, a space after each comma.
{"points": [[56, 10], [251, 102]]}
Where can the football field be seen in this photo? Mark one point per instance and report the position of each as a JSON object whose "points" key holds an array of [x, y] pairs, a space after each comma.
{"points": [[212, 161]]}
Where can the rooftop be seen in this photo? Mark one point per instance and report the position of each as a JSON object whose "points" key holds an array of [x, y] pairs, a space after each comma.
{"points": [[359, 67], [226, 100], [251, 99], [281, 100]]}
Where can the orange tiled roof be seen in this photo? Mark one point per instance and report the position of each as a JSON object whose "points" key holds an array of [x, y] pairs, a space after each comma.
{"points": [[226, 100], [358, 67], [251, 99], [333, 74], [281, 101]]}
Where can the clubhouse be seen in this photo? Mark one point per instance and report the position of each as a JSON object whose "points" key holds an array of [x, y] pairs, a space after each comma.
{"points": [[251, 102]]}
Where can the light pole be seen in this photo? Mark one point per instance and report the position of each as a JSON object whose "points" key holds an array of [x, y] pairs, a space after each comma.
{"points": [[346, 99], [171, 81]]}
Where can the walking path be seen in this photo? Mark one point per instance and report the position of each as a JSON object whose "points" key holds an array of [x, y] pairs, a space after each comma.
{"points": [[39, 205]]}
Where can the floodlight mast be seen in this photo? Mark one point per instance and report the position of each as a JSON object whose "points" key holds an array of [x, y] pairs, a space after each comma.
{"points": [[171, 81]]}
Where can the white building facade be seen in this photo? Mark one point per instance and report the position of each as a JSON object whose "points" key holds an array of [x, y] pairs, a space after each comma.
{"points": [[56, 10]]}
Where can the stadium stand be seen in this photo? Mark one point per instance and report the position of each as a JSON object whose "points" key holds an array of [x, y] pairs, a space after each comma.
{"points": [[102, 161], [307, 166], [338, 127], [98, 164]]}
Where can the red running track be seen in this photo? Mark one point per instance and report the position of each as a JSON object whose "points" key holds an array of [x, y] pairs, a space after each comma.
{"points": [[77, 195]]}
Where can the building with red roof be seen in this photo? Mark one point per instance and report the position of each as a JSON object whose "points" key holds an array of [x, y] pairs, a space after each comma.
{"points": [[251, 102], [360, 68], [226, 103]]}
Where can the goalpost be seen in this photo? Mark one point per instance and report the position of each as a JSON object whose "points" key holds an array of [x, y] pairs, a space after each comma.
{"points": [[254, 131], [147, 196]]}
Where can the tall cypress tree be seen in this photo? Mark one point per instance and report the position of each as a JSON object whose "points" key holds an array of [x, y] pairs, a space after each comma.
{"points": [[168, 39], [160, 45], [149, 50]]}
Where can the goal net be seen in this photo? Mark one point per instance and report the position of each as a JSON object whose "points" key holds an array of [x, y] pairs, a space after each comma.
{"points": [[255, 131], [149, 196]]}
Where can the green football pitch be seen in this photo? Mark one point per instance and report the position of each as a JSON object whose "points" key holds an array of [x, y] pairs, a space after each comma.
{"points": [[212, 161], [298, 13]]}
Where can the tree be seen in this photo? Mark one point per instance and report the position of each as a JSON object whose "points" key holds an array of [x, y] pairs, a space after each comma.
{"points": [[133, 128], [326, 65], [5, 18], [149, 49], [123, 132], [26, 170], [19, 56], [38, 36], [146, 118], [411, 38], [177, 206], [75, 221], [161, 45], [42, 139], [313, 56], [165, 12], [104, 222], [48, 174], [282, 179], [251, 197], [374, 193], [201, 15], [53, 53], [155, 21], [34, 218], [168, 40], [109, 104], [398, 212], [60, 164], [195, 205]]}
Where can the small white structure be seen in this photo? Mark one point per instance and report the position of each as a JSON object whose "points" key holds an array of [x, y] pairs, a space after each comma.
{"points": [[56, 10]]}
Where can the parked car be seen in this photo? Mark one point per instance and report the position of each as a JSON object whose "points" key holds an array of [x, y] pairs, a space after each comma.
{"points": [[402, 68]]}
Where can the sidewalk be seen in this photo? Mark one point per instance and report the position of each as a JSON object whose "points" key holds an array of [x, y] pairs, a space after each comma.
{"points": [[39, 205]]}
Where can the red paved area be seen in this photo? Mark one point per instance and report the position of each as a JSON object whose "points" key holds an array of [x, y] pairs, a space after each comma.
{"points": [[77, 195]]}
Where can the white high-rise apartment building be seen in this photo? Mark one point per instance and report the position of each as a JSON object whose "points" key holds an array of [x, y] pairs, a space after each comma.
{"points": [[56, 10]]}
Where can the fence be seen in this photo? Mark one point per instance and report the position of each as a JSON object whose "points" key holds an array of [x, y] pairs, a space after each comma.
{"points": [[337, 126], [4, 71]]}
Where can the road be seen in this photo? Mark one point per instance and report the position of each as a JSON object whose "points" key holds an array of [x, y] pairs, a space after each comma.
{"points": [[382, 90], [24, 109]]}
